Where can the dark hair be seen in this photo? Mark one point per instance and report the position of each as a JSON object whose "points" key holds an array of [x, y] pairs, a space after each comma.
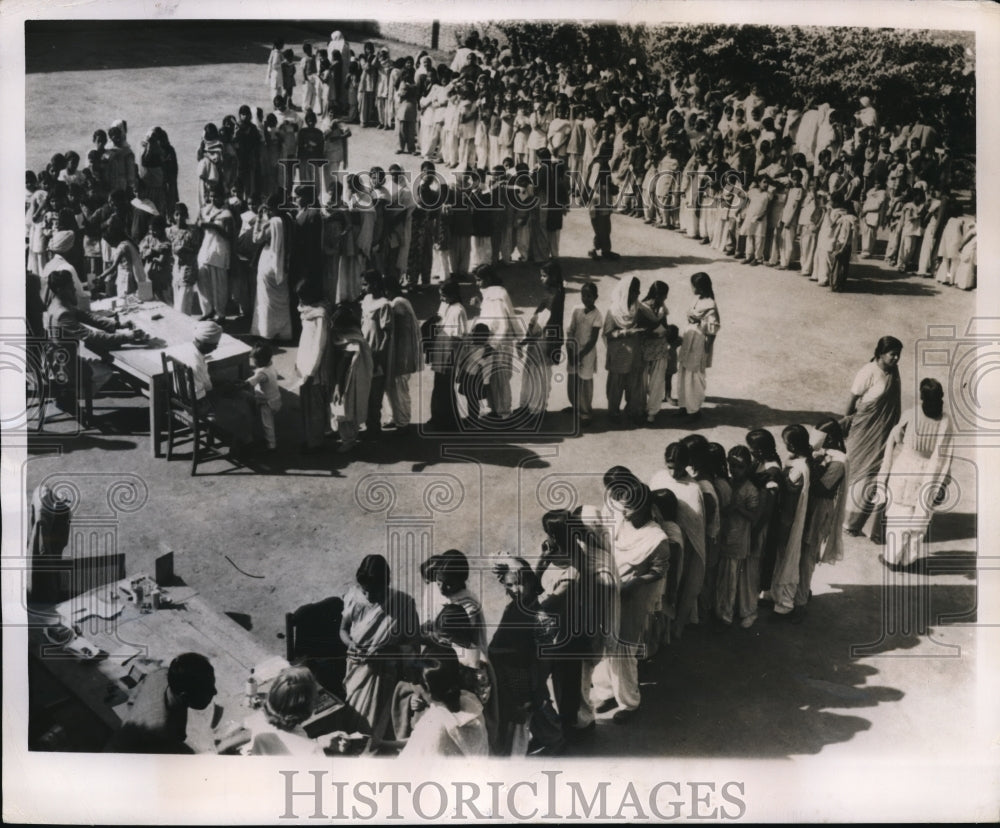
{"points": [[452, 563], [451, 292], [654, 290], [834, 435], [552, 273], [762, 445], [374, 280], [702, 284], [717, 461], [697, 452], [190, 673], [262, 353], [373, 571], [442, 678], [931, 398], [640, 500], [487, 274], [741, 455], [796, 440], [886, 345], [665, 502], [676, 454], [60, 280]]}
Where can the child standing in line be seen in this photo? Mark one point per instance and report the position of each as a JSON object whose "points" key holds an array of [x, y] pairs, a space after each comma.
{"points": [[352, 375], [288, 75], [733, 588], [307, 68], [810, 215], [275, 82], [185, 242], [266, 392], [473, 371], [788, 223], [584, 330], [872, 217], [158, 259], [754, 226], [912, 229], [772, 239]]}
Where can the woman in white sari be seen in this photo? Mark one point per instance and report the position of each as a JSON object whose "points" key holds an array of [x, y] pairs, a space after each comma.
{"points": [[691, 519], [271, 315], [914, 474], [694, 357], [823, 541], [380, 629], [641, 553], [785, 581]]}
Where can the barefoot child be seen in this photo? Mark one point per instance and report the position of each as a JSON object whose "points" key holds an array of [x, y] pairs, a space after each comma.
{"points": [[185, 241], [584, 330], [266, 393]]}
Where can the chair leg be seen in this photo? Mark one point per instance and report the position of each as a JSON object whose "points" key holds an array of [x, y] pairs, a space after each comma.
{"points": [[195, 444], [88, 405], [170, 434]]}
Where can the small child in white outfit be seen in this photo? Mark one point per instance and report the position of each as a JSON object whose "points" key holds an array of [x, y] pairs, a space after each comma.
{"points": [[266, 392]]}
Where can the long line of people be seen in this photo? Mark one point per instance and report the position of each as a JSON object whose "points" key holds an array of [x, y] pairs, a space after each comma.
{"points": [[708, 541]]}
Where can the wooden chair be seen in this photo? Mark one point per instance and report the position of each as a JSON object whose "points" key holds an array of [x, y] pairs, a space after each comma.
{"points": [[61, 379], [312, 638], [184, 420]]}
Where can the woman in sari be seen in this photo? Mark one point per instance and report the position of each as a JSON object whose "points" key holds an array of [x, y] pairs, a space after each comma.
{"points": [[313, 366], [641, 553], [691, 519], [794, 506], [271, 314], [624, 357], [694, 357], [542, 346], [914, 474], [652, 317], [821, 542], [872, 411], [380, 629]]}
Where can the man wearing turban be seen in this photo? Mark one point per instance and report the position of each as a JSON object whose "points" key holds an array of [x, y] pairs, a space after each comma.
{"points": [[61, 247]]}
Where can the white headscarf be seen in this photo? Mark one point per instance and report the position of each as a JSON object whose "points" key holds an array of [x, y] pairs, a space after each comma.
{"points": [[620, 310]]}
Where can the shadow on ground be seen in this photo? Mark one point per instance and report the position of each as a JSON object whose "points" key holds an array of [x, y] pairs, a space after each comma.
{"points": [[782, 689]]}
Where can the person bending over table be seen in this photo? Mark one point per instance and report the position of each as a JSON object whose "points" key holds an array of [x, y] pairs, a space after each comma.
{"points": [[156, 721], [93, 336], [229, 405]]}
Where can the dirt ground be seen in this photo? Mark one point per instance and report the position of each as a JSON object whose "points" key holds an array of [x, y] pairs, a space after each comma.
{"points": [[852, 680]]}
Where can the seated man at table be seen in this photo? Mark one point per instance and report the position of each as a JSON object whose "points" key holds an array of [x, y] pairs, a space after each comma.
{"points": [[229, 405], [157, 718], [91, 336]]}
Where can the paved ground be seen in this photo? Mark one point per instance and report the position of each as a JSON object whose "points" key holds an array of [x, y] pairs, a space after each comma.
{"points": [[259, 544]]}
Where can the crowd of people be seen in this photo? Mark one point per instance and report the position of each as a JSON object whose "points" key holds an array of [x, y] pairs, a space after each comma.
{"points": [[322, 257], [711, 539]]}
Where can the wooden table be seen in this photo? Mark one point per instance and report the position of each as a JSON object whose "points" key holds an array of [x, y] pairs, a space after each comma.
{"points": [[136, 641], [143, 363]]}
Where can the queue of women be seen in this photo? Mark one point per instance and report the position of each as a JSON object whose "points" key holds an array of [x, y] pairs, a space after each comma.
{"points": [[711, 539]]}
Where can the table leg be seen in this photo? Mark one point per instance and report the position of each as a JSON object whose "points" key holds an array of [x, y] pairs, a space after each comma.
{"points": [[156, 396]]}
